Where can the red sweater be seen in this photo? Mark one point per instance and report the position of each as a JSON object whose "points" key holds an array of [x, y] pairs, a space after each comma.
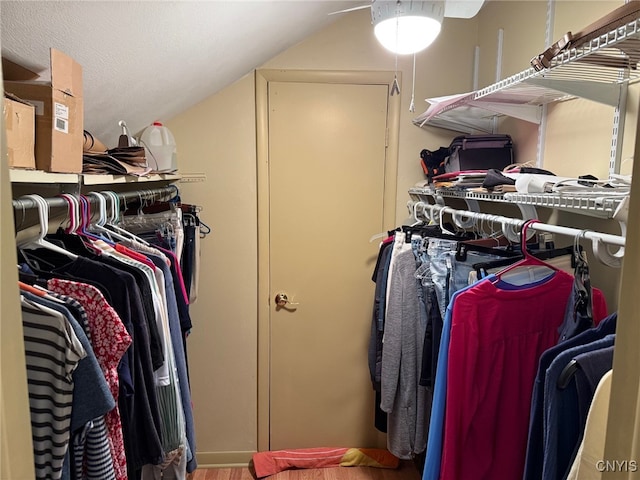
{"points": [[497, 337]]}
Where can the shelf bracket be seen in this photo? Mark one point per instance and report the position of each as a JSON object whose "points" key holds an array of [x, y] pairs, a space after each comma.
{"points": [[467, 222], [528, 212], [602, 253], [601, 250]]}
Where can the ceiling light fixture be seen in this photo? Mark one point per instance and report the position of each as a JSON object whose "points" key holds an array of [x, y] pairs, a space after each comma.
{"points": [[408, 26]]}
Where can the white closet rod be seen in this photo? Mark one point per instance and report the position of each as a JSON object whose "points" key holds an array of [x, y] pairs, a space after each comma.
{"points": [[438, 210], [152, 194]]}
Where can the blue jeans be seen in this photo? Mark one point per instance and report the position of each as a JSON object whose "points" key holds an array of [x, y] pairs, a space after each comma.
{"points": [[422, 262], [441, 269], [449, 275]]}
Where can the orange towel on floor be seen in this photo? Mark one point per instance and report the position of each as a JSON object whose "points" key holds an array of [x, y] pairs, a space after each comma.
{"points": [[269, 463]]}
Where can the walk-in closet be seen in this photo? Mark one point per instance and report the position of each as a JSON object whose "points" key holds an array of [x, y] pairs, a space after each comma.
{"points": [[303, 271]]}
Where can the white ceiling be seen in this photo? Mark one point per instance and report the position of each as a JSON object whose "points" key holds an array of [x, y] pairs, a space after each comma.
{"points": [[150, 60]]}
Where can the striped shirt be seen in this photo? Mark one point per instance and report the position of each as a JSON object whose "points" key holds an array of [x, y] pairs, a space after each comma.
{"points": [[52, 352]]}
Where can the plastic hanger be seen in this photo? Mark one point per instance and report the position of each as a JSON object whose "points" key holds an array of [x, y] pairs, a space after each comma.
{"points": [[487, 244], [102, 218], [464, 247], [40, 242], [107, 216], [98, 224], [74, 213], [72, 240], [441, 223], [528, 270], [86, 222], [567, 374], [112, 225], [145, 218], [29, 288], [482, 267]]}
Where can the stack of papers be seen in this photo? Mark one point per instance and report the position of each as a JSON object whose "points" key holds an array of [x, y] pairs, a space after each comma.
{"points": [[460, 180]]}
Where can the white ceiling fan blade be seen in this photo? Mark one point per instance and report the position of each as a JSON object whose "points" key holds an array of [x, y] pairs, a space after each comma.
{"points": [[353, 9], [462, 8]]}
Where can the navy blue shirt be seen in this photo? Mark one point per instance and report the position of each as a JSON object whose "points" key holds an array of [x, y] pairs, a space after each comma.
{"points": [[535, 452], [562, 420]]}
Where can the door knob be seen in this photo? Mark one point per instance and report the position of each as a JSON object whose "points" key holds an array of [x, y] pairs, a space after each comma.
{"points": [[282, 301]]}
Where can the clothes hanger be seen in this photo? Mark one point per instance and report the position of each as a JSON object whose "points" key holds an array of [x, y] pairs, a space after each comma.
{"points": [[434, 231], [442, 226], [582, 298], [74, 213], [39, 241], [141, 220], [482, 267], [42, 261], [70, 237], [85, 220], [98, 224], [533, 268], [567, 374], [489, 245], [30, 288], [468, 246], [112, 225]]}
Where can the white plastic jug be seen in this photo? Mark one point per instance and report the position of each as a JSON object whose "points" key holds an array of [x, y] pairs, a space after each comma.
{"points": [[160, 148]]}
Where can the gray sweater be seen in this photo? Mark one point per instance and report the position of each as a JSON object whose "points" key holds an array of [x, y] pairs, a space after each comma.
{"points": [[406, 403]]}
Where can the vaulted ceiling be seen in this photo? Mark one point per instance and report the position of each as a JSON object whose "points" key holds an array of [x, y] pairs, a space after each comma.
{"points": [[150, 60]]}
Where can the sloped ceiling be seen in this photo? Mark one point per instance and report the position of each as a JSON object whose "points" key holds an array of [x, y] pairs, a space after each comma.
{"points": [[150, 60]]}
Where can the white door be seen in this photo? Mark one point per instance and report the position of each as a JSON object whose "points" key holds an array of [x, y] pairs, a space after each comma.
{"points": [[326, 176]]}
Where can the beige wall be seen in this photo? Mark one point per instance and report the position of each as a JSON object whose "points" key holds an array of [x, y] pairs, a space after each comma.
{"points": [[218, 137]]}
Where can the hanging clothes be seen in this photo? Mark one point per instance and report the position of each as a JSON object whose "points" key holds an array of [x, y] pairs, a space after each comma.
{"points": [[91, 456], [134, 309], [52, 353], [566, 407], [535, 454], [111, 340], [380, 273], [137, 399], [591, 450], [403, 400], [492, 364]]}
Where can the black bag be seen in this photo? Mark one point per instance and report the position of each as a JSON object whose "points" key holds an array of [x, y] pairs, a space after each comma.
{"points": [[433, 162], [479, 152]]}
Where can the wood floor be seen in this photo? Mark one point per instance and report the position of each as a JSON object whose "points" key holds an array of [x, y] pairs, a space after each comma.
{"points": [[406, 471]]}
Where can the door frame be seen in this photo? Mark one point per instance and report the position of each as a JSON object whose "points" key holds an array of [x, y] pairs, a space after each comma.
{"points": [[262, 79]]}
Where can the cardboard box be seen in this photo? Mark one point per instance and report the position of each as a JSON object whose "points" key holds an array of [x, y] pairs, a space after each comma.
{"points": [[20, 127], [59, 111]]}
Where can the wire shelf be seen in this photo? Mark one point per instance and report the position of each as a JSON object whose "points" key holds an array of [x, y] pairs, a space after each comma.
{"points": [[596, 71], [603, 206]]}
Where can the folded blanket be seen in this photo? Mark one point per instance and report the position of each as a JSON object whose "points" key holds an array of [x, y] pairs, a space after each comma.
{"points": [[269, 463]]}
